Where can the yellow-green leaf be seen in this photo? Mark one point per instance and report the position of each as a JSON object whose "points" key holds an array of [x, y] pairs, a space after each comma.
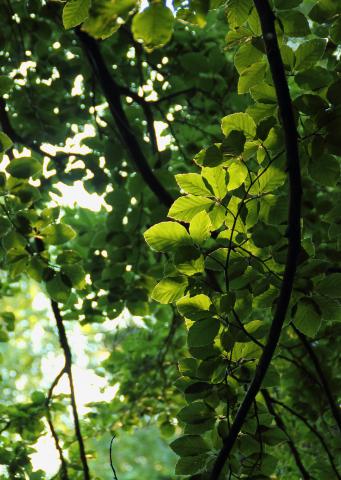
{"points": [[153, 26]]}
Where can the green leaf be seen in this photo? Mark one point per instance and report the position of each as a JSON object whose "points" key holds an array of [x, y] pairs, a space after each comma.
{"points": [[335, 30], [284, 4], [58, 233], [170, 289], [310, 104], [195, 412], [194, 308], [330, 286], [264, 235], [203, 332], [189, 445], [5, 226], [5, 142], [185, 208], [269, 181], [106, 17], [24, 167], [314, 78], [246, 56], [237, 174], [189, 261], [325, 169], [167, 236], [194, 62], [238, 11], [216, 177], [75, 12], [251, 76], [263, 93], [323, 10], [307, 317], [209, 157], [330, 308], [217, 216], [6, 84], [190, 465], [234, 143], [274, 436], [200, 227], [241, 122], [192, 183], [154, 26], [76, 275], [272, 378], [57, 289], [308, 53], [295, 23], [68, 257]]}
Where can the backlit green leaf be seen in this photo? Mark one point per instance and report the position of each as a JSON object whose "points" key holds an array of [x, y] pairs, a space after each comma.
{"points": [[251, 76], [237, 174], [153, 26], [308, 53], [75, 12], [192, 183], [169, 289], [200, 227], [238, 11], [189, 260], [195, 308], [185, 208], [58, 233], [216, 177], [166, 236], [241, 122]]}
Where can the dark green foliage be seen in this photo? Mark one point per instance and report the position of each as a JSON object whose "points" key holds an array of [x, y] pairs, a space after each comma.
{"points": [[175, 280]]}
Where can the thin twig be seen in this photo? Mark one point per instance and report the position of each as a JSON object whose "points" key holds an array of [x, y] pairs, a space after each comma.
{"points": [[281, 426]]}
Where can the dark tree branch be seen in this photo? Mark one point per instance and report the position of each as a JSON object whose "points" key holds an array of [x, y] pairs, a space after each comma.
{"points": [[301, 367], [187, 91], [267, 20], [292, 446], [18, 139], [66, 350], [112, 93], [7, 425], [68, 369], [312, 429], [323, 379], [63, 468]]}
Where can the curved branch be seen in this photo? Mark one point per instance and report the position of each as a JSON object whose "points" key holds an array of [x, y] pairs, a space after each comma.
{"points": [[267, 20], [280, 425], [68, 369], [112, 93], [323, 379], [63, 464], [312, 429]]}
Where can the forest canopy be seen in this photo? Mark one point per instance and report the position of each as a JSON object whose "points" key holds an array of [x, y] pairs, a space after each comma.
{"points": [[170, 239]]}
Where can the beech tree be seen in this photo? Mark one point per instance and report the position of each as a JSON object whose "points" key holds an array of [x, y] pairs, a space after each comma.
{"points": [[209, 280]]}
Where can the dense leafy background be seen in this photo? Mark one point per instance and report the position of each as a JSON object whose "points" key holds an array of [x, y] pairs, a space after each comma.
{"points": [[173, 300]]}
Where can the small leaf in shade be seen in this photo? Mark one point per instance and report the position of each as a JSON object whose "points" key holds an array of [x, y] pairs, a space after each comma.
{"points": [[58, 233]]}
